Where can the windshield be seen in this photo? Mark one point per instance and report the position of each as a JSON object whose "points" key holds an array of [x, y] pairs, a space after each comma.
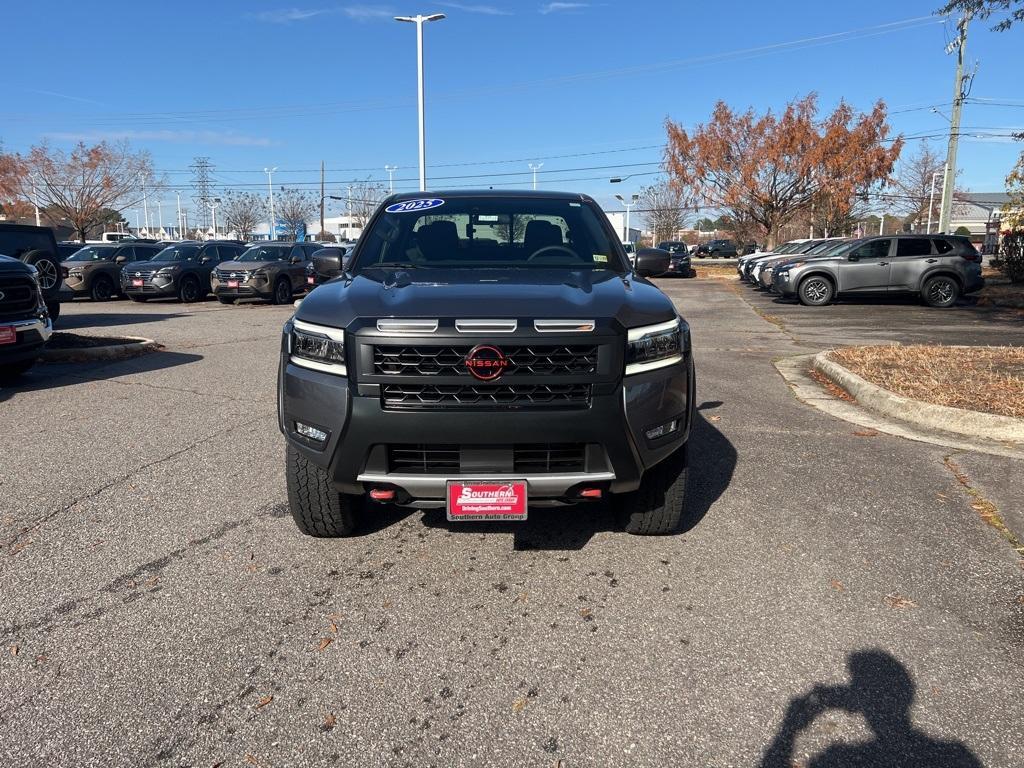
{"points": [[490, 232], [266, 253], [92, 253], [177, 253], [822, 247]]}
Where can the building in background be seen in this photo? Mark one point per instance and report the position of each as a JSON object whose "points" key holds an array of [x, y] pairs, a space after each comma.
{"points": [[618, 220]]}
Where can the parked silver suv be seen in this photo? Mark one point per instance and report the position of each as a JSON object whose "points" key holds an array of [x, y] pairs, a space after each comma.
{"points": [[938, 268]]}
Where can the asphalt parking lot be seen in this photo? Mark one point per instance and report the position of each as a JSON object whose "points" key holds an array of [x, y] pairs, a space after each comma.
{"points": [[160, 608]]}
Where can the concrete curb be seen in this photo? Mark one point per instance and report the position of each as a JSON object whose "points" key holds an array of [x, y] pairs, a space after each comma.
{"points": [[138, 346], [985, 426]]}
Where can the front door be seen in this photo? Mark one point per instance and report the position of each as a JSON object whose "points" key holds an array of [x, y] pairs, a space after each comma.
{"points": [[866, 268]]}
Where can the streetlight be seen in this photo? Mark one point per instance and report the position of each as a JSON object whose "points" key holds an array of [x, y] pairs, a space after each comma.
{"points": [[145, 202], [391, 177], [178, 195], [213, 212], [629, 206], [419, 20], [535, 168], [931, 200], [270, 187]]}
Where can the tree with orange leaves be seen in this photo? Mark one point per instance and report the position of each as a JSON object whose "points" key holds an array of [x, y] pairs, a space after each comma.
{"points": [[770, 168]]}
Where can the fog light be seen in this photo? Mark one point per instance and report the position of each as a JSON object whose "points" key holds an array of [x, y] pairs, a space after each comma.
{"points": [[665, 429], [311, 432]]}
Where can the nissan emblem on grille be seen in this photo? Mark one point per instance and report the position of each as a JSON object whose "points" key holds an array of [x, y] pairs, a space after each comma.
{"points": [[486, 363], [138, 274]]}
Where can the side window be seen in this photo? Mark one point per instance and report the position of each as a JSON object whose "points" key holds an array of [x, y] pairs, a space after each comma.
{"points": [[209, 254], [297, 252], [913, 246], [311, 249], [876, 249], [943, 246]]}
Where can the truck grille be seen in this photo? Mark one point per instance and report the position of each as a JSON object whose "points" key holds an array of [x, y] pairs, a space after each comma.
{"points": [[19, 295], [528, 458], [486, 396], [538, 360]]}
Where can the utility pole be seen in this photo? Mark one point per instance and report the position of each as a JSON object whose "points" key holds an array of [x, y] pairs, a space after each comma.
{"points": [[178, 195], [270, 188], [960, 45], [535, 168], [321, 197], [881, 224]]}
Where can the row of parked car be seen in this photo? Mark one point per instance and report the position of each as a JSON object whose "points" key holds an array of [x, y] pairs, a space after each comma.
{"points": [[938, 268]]}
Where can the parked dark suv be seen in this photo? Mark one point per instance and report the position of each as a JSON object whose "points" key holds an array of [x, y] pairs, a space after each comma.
{"points": [[487, 351], [938, 268], [274, 271], [720, 249], [181, 270], [38, 247], [24, 321], [95, 270]]}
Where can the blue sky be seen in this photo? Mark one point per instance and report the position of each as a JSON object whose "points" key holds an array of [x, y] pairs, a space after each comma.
{"points": [[579, 86]]}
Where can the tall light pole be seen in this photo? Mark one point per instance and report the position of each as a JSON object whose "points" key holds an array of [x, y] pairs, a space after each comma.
{"points": [[213, 212], [178, 195], [145, 202], [160, 216], [419, 20], [535, 168], [35, 200], [391, 177], [629, 206], [270, 188], [960, 45], [931, 201]]}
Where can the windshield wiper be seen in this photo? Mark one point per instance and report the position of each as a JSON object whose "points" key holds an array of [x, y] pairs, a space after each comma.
{"points": [[394, 265]]}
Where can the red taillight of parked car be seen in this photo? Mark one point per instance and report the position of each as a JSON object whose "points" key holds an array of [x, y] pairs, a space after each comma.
{"points": [[971, 255]]}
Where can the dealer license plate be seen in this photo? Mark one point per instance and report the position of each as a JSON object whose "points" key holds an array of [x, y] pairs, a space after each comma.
{"points": [[310, 281], [232, 283], [136, 283], [487, 500], [7, 334]]}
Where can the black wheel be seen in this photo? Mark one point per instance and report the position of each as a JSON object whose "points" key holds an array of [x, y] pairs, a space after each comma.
{"points": [[282, 291], [225, 300], [941, 291], [318, 509], [816, 291], [11, 371], [659, 505], [53, 309], [48, 268], [102, 288], [139, 299], [188, 290]]}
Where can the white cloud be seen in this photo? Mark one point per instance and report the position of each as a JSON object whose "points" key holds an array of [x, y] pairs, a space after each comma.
{"points": [[367, 12], [562, 7], [225, 138], [486, 10], [288, 15]]}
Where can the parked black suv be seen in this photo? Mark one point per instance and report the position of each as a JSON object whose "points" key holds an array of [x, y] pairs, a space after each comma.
{"points": [[720, 249], [38, 247], [938, 268], [24, 321], [275, 271], [487, 350], [181, 270], [95, 270]]}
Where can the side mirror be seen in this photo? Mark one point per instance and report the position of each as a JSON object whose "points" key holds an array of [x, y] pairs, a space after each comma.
{"points": [[295, 260], [651, 262], [853, 257], [328, 265], [121, 260]]}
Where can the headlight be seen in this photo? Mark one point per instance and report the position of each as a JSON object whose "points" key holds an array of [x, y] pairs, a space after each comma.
{"points": [[317, 347], [655, 346], [166, 271], [259, 274]]}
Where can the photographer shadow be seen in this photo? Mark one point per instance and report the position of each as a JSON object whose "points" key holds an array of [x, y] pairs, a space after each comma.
{"points": [[881, 690]]}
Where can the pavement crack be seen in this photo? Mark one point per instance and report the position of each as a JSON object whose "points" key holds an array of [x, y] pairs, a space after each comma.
{"points": [[986, 510], [10, 544]]}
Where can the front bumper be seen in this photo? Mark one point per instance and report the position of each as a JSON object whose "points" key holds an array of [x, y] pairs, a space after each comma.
{"points": [[247, 289], [31, 336], [612, 427]]}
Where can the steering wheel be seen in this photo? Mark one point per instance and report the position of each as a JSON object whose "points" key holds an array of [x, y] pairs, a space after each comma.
{"points": [[545, 249]]}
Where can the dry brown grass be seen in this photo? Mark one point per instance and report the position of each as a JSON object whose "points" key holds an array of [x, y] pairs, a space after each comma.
{"points": [[1000, 292], [986, 379], [715, 272]]}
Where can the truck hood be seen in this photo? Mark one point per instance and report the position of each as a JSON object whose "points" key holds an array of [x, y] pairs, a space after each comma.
{"points": [[485, 294]]}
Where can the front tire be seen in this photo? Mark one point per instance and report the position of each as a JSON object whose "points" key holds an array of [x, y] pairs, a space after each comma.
{"points": [[941, 292], [53, 310], [225, 300], [138, 299], [816, 291], [319, 510], [102, 289], [658, 507], [13, 371], [188, 291], [282, 291]]}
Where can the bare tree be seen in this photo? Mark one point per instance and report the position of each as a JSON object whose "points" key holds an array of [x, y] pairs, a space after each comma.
{"points": [[293, 209], [511, 229], [664, 210], [81, 185], [364, 197], [913, 182], [243, 212]]}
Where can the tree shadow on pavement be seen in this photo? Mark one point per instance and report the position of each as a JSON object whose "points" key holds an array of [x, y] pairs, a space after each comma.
{"points": [[712, 462], [44, 376], [881, 690], [108, 319]]}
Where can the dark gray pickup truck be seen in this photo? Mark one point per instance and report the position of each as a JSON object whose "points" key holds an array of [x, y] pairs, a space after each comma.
{"points": [[487, 353]]}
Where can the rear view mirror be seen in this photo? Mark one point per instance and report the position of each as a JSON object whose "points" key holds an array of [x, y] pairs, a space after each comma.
{"points": [[651, 262], [328, 265]]}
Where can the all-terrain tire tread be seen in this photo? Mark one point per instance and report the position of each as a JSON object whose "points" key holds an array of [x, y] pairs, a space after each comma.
{"points": [[319, 510], [658, 507]]}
